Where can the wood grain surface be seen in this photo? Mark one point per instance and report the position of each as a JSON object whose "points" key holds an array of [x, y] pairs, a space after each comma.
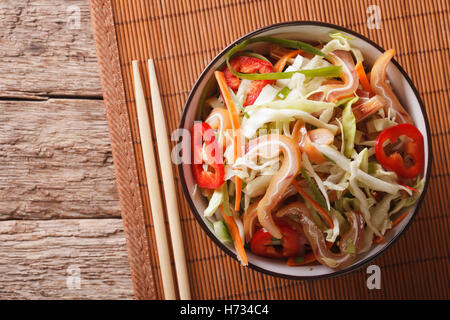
{"points": [[45, 259], [50, 53], [59, 209], [57, 163]]}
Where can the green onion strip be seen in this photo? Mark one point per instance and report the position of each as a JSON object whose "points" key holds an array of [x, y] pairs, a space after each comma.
{"points": [[331, 71]]}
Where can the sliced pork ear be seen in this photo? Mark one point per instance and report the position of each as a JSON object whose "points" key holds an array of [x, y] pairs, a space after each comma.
{"points": [[348, 245], [380, 86], [270, 146], [338, 91], [364, 110], [250, 216], [304, 138], [219, 119]]}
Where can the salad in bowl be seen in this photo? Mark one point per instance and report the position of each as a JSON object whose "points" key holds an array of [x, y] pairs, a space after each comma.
{"points": [[303, 153]]}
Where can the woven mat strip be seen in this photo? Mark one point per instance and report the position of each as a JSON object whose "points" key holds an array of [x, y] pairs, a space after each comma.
{"points": [[122, 149], [183, 36]]}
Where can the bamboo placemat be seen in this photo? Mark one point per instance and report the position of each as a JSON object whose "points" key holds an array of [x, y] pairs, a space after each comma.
{"points": [[182, 37]]}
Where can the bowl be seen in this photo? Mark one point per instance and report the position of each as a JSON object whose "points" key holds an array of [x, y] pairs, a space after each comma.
{"points": [[306, 31]]}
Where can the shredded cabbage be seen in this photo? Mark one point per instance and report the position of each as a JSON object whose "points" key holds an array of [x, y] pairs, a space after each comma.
{"points": [[342, 136], [349, 128], [406, 202], [332, 234], [334, 155], [336, 181], [243, 162], [378, 125], [214, 102], [257, 186], [363, 158], [287, 129], [377, 184], [229, 151], [380, 173], [221, 230], [382, 124], [326, 115], [340, 226], [362, 200], [298, 61], [308, 167], [219, 197], [259, 117], [301, 104], [267, 94], [231, 172], [315, 216], [380, 216], [243, 89], [356, 52], [214, 202], [338, 43], [365, 178]]}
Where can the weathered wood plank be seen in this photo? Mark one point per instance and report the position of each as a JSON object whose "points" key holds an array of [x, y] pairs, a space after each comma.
{"points": [[45, 51], [45, 259], [55, 160]]}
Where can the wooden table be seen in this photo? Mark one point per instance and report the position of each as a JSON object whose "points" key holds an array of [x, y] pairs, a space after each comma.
{"points": [[61, 236]]}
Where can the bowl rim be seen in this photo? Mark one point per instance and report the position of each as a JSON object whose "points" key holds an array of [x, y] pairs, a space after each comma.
{"points": [[197, 215]]}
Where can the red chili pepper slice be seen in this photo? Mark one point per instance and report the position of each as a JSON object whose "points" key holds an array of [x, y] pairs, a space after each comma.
{"points": [[247, 64], [414, 148], [203, 133], [289, 245]]}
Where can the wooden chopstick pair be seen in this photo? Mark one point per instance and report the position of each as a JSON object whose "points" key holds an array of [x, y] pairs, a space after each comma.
{"points": [[151, 172]]}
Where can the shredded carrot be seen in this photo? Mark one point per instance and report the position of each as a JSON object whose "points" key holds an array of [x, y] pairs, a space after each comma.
{"points": [[279, 66], [410, 188], [234, 116], [378, 239], [276, 51], [363, 78], [399, 219], [316, 206], [237, 203], [237, 240], [308, 258]]}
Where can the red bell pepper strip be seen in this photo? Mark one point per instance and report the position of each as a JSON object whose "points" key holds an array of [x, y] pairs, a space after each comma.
{"points": [[263, 244], [206, 179], [414, 148], [246, 64]]}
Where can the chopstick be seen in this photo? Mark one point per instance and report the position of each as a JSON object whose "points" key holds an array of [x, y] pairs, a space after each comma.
{"points": [[153, 186], [169, 186]]}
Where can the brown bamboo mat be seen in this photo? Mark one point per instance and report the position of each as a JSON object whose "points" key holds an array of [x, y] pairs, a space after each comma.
{"points": [[182, 37]]}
